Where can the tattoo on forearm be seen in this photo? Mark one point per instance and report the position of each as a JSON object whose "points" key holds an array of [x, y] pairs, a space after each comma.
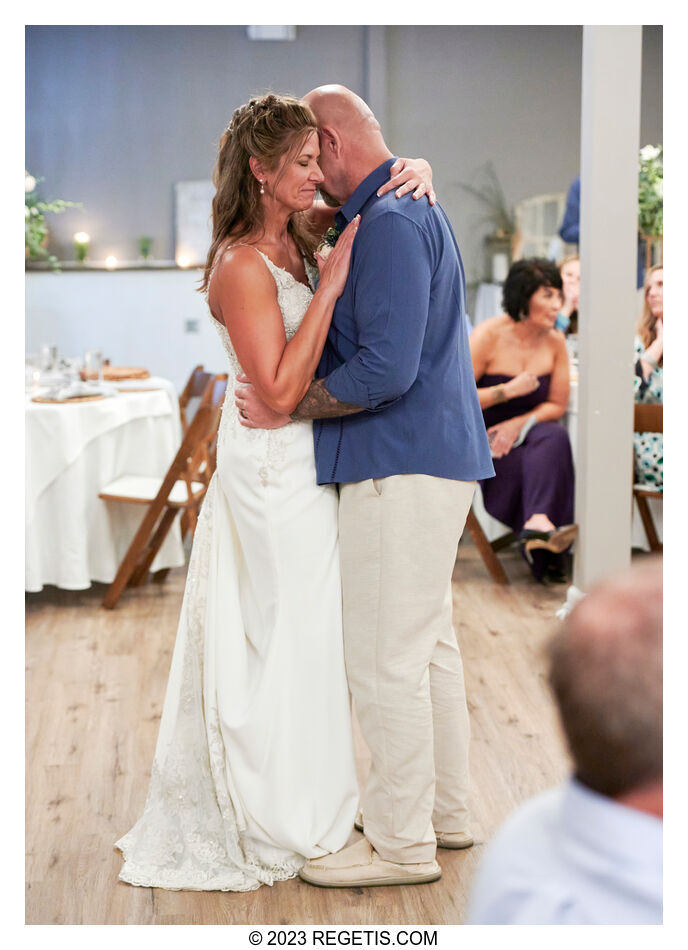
{"points": [[319, 404]]}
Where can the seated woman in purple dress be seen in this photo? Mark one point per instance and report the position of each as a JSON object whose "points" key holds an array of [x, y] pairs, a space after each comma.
{"points": [[522, 372]]}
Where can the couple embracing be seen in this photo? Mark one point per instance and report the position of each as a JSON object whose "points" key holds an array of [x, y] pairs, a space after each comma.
{"points": [[322, 560]]}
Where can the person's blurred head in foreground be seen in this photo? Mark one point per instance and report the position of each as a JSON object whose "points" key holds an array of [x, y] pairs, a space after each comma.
{"points": [[606, 674]]}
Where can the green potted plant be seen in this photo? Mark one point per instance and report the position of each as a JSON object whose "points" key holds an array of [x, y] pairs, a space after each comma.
{"points": [[496, 213], [35, 228], [651, 201], [145, 247]]}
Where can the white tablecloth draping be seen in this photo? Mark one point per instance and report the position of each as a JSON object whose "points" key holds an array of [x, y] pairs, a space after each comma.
{"points": [[488, 303], [73, 451]]}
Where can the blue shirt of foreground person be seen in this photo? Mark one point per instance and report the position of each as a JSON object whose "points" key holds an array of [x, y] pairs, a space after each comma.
{"points": [[571, 856], [590, 852], [398, 343]]}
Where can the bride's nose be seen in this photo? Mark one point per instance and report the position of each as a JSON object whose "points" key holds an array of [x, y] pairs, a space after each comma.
{"points": [[317, 174]]}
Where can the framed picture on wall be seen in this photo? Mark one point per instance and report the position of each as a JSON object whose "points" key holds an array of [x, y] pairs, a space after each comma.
{"points": [[192, 221]]}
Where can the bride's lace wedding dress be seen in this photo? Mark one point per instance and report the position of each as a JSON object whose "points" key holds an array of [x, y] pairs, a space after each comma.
{"points": [[254, 767]]}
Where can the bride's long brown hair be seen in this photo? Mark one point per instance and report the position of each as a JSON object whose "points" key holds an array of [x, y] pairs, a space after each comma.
{"points": [[267, 128]]}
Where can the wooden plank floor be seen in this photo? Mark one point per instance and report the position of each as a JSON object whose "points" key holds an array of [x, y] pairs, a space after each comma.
{"points": [[95, 686]]}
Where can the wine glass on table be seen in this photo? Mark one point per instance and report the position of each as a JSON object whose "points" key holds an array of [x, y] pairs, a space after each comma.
{"points": [[32, 373], [93, 365]]}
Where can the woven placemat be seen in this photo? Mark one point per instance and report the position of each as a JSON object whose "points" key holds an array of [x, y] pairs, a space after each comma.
{"points": [[115, 373], [64, 402]]}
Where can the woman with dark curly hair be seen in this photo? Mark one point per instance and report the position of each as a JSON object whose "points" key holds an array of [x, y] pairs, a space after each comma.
{"points": [[522, 372]]}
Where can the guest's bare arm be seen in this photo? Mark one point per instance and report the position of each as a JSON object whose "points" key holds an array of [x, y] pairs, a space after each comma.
{"points": [[318, 403], [559, 386], [482, 343]]}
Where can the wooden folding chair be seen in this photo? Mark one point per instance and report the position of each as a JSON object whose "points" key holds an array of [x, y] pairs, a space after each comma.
{"points": [[648, 417], [183, 488], [202, 386], [195, 389], [488, 549], [213, 395]]}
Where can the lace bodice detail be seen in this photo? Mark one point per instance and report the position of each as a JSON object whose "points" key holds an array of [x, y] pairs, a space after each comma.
{"points": [[294, 299]]}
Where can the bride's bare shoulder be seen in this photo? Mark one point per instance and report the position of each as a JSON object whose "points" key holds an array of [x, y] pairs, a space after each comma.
{"points": [[239, 266]]}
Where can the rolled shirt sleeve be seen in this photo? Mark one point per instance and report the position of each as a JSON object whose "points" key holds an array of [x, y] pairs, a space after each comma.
{"points": [[391, 304]]}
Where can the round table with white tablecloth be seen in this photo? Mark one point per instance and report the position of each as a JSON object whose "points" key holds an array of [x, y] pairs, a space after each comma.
{"points": [[73, 450]]}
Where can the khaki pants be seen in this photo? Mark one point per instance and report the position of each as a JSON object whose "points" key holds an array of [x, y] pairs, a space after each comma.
{"points": [[398, 539]]}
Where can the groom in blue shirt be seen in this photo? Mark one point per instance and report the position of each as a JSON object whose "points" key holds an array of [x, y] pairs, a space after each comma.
{"points": [[406, 468], [399, 429]]}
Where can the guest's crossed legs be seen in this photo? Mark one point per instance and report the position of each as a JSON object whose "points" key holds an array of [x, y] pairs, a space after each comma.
{"points": [[398, 542]]}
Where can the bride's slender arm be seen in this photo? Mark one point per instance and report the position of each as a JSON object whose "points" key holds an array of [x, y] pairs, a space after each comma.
{"points": [[410, 174], [244, 297]]}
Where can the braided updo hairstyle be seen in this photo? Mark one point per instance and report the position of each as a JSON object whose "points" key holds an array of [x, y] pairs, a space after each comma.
{"points": [[268, 128]]}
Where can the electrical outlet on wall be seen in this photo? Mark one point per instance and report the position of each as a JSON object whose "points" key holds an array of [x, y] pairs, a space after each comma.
{"points": [[191, 326]]}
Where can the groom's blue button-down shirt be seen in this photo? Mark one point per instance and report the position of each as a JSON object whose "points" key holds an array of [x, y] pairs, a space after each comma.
{"points": [[398, 347]]}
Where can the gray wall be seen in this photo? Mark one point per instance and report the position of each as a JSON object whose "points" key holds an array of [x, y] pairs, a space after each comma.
{"points": [[511, 95], [116, 115]]}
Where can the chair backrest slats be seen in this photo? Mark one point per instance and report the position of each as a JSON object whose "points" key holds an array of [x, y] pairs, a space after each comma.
{"points": [[195, 388]]}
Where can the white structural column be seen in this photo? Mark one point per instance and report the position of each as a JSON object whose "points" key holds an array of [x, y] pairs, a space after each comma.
{"points": [[375, 62], [610, 130]]}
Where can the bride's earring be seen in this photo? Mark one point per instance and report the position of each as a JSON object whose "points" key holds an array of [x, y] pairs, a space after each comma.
{"points": [[262, 190]]}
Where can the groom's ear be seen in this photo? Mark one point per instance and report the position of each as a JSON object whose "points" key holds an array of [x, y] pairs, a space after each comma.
{"points": [[330, 141]]}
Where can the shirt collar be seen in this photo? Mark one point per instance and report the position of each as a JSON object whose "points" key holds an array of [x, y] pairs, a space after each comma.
{"points": [[368, 186]]}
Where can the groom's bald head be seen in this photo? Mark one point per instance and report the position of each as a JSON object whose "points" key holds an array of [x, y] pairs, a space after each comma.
{"points": [[351, 142], [340, 107]]}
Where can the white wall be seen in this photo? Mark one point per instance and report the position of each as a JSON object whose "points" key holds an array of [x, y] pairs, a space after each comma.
{"points": [[136, 318]]}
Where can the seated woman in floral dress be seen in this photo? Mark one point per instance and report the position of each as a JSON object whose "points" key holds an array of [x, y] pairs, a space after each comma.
{"points": [[522, 372], [648, 447]]}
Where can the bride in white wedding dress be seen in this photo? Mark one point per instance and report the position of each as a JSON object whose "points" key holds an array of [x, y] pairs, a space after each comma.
{"points": [[254, 768]]}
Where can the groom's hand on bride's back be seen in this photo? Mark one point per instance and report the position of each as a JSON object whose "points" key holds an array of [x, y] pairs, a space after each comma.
{"points": [[253, 412]]}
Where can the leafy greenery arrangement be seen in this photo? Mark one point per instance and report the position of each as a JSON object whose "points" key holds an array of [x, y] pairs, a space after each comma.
{"points": [[35, 228], [651, 190]]}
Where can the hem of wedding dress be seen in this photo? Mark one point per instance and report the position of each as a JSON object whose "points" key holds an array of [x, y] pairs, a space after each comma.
{"points": [[236, 879], [137, 880]]}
